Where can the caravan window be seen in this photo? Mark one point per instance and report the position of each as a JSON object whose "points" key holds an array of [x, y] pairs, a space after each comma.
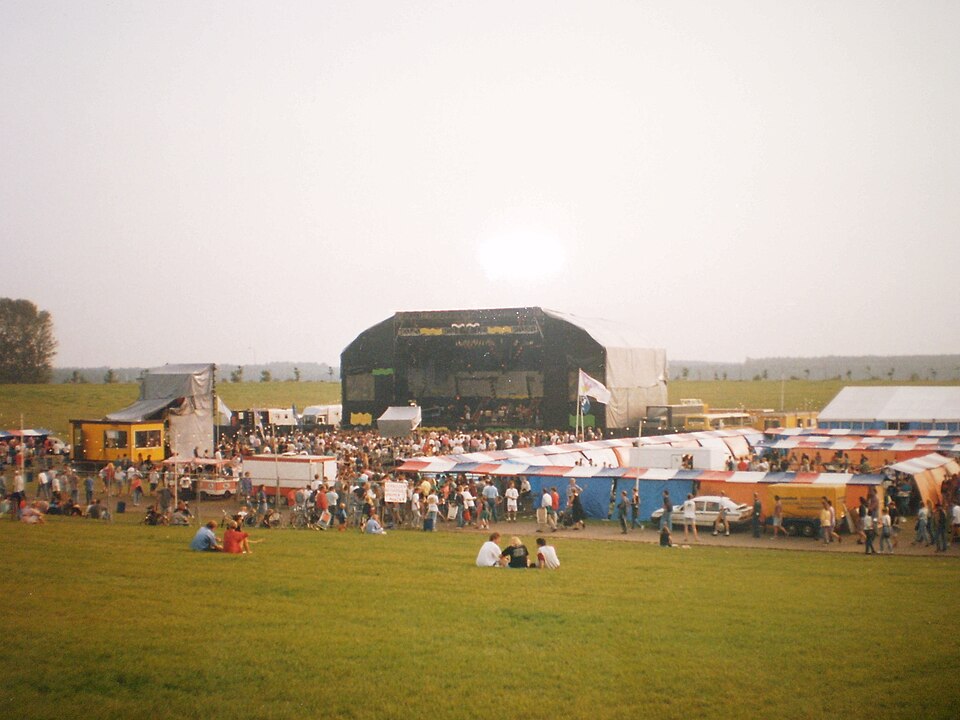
{"points": [[114, 439], [146, 438]]}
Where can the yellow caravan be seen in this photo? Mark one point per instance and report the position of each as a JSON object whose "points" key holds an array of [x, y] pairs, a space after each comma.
{"points": [[107, 441]]}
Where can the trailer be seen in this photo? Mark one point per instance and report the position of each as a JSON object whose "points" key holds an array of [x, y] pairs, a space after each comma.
{"points": [[802, 503], [289, 471]]}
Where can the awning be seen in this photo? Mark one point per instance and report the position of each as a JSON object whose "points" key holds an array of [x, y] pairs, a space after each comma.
{"points": [[927, 462], [140, 410]]}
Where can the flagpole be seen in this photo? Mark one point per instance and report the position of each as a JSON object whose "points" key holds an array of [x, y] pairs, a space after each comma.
{"points": [[636, 482]]}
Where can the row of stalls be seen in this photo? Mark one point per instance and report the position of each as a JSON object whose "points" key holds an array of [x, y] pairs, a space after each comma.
{"points": [[604, 468]]}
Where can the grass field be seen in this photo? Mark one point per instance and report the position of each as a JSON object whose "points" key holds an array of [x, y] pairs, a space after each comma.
{"points": [[123, 621], [53, 406]]}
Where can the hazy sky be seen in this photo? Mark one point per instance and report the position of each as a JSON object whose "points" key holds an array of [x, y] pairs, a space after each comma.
{"points": [[246, 182]]}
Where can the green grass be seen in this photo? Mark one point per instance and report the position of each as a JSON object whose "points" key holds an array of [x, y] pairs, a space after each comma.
{"points": [[756, 394], [123, 621], [53, 406]]}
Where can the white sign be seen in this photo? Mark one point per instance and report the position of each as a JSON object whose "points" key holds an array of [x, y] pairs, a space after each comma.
{"points": [[395, 492]]}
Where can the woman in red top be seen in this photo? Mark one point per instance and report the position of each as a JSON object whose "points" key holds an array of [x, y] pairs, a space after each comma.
{"points": [[235, 541]]}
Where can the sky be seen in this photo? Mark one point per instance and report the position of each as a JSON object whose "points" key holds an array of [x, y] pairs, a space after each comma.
{"points": [[247, 182]]}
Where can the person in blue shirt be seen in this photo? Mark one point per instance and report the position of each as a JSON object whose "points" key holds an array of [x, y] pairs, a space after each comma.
{"points": [[373, 526], [205, 539]]}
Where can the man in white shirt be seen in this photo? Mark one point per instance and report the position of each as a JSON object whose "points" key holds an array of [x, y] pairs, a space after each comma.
{"points": [[546, 555], [489, 555], [511, 494], [545, 514]]}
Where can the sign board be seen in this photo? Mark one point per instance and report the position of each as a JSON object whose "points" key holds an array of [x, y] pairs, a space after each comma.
{"points": [[395, 492]]}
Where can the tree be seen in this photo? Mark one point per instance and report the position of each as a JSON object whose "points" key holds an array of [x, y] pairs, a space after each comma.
{"points": [[27, 345], [296, 374], [77, 378], [237, 375], [266, 376], [110, 377]]}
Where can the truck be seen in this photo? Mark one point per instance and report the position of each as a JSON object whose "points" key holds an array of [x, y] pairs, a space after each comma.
{"points": [[802, 503], [322, 416], [289, 471]]}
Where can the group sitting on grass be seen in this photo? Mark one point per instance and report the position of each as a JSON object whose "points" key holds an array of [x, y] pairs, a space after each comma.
{"points": [[235, 541], [516, 555]]}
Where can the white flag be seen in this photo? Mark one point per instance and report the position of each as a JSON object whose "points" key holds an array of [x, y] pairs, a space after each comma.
{"points": [[593, 388]]}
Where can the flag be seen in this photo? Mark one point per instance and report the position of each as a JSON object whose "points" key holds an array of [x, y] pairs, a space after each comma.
{"points": [[593, 388]]}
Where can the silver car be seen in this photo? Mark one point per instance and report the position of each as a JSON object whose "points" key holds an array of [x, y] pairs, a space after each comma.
{"points": [[708, 510]]}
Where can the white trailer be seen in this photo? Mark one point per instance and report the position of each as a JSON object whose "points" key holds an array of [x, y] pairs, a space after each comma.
{"points": [[289, 471], [665, 456]]}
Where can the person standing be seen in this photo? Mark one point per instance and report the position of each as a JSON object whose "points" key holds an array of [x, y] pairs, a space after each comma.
{"points": [[623, 509], [886, 531], [512, 495], [635, 509], [940, 524], [757, 510], [690, 518], [666, 520], [545, 516], [577, 513], [870, 531], [778, 517], [490, 497]]}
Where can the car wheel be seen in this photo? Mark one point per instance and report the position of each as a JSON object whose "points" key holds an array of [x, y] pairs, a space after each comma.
{"points": [[806, 530], [227, 495]]}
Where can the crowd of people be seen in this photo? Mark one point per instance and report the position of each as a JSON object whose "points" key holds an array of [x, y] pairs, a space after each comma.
{"points": [[366, 464]]}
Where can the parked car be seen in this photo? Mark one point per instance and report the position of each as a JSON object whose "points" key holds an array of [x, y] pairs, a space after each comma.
{"points": [[708, 509]]}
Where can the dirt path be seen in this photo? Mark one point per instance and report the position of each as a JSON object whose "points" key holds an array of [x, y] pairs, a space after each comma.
{"points": [[741, 538]]}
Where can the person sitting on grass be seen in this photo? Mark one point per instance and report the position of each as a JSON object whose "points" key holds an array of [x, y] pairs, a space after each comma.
{"points": [[546, 555], [153, 516], [489, 555], [97, 511], [665, 540], [31, 515], [205, 540], [373, 526], [235, 541], [515, 555]]}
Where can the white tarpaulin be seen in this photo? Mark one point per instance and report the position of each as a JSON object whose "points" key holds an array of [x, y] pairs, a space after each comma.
{"points": [[187, 390], [922, 404], [398, 421], [635, 374]]}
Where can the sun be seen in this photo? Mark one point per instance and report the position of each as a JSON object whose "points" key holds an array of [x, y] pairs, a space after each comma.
{"points": [[521, 255]]}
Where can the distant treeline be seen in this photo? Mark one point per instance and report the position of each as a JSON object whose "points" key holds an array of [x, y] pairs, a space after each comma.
{"points": [[278, 372], [866, 367]]}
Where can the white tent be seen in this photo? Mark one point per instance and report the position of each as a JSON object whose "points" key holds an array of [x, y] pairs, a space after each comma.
{"points": [[914, 404], [398, 421]]}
